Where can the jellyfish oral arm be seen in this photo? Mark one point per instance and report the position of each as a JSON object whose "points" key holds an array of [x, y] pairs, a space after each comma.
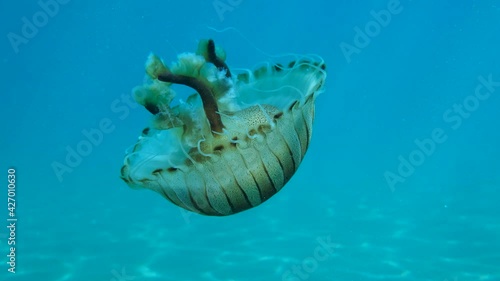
{"points": [[206, 94], [199, 84], [213, 58]]}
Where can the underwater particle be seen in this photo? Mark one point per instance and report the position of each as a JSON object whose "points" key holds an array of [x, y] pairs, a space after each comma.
{"points": [[231, 145]]}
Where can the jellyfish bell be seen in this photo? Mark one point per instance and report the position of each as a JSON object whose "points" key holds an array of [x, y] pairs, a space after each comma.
{"points": [[231, 145]]}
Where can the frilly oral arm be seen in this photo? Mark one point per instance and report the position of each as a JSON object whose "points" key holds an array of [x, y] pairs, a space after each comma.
{"points": [[157, 70]]}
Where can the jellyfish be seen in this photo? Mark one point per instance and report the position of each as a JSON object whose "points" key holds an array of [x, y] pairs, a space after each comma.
{"points": [[231, 145]]}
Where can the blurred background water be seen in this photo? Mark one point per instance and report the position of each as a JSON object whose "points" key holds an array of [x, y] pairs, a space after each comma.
{"points": [[385, 92]]}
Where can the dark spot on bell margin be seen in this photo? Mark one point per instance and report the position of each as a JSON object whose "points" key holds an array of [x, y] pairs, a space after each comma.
{"points": [[123, 171], [243, 77], [219, 148], [252, 132], [137, 146], [277, 115], [145, 131], [291, 64], [157, 171], [265, 128], [259, 72], [309, 98], [233, 143], [292, 105], [171, 169], [278, 67]]}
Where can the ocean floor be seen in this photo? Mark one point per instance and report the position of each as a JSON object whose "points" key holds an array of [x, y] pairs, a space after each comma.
{"points": [[415, 238]]}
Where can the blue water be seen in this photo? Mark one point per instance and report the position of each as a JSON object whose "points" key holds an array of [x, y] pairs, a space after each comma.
{"points": [[347, 214]]}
